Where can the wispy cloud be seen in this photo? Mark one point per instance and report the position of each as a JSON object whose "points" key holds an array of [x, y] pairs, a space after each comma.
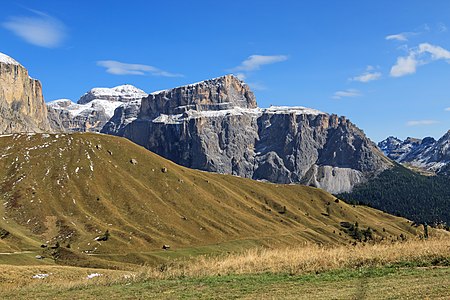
{"points": [[442, 27], [257, 86], [120, 68], [402, 37], [435, 51], [254, 62], [40, 29], [421, 122], [241, 76], [417, 56], [347, 93], [405, 36], [447, 109], [369, 75]]}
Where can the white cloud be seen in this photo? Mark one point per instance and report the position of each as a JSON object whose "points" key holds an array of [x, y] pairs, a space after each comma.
{"points": [[435, 51], [120, 68], [254, 62], [421, 122], [447, 109], [404, 66], [403, 37], [367, 76], [40, 30], [346, 93], [417, 56]]}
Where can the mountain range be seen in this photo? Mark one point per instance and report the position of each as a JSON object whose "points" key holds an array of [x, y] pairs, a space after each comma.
{"points": [[216, 126], [427, 154]]}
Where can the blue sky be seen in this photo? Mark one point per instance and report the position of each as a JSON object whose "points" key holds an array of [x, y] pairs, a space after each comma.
{"points": [[384, 64]]}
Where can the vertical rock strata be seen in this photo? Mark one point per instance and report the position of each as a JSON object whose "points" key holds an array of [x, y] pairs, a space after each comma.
{"points": [[22, 106]]}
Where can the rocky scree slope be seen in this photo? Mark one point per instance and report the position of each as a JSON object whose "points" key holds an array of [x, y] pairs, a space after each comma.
{"points": [[104, 201], [94, 109], [215, 125], [427, 153], [22, 106]]}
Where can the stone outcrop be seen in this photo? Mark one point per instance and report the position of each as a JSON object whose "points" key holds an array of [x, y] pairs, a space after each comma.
{"points": [[22, 106], [216, 126]]}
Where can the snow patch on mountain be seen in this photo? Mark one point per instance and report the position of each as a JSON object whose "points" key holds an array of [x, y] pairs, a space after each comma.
{"points": [[75, 109], [122, 93], [235, 111], [8, 60]]}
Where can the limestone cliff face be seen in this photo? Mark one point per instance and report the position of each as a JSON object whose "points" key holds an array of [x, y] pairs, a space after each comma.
{"points": [[22, 106], [221, 129], [211, 95]]}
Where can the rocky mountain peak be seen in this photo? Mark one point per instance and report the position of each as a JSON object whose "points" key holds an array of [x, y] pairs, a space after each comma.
{"points": [[94, 109], [389, 144], [428, 140], [216, 94], [122, 93]]}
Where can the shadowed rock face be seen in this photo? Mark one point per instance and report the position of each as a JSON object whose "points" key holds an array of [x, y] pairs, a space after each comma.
{"points": [[22, 106], [216, 126], [123, 115]]}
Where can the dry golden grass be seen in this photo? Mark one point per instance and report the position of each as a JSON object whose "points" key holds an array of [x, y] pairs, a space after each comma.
{"points": [[300, 260], [310, 258], [16, 277]]}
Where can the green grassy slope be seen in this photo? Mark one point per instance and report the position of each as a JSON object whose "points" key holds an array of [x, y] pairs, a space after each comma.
{"points": [[71, 189]]}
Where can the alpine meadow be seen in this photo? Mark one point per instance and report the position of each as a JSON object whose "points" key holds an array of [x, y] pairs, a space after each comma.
{"points": [[210, 150]]}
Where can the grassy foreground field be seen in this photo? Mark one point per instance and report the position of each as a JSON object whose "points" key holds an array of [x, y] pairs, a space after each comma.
{"points": [[365, 283], [408, 270]]}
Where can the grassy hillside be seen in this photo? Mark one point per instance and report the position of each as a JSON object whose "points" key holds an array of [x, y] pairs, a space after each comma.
{"points": [[401, 191], [92, 199]]}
